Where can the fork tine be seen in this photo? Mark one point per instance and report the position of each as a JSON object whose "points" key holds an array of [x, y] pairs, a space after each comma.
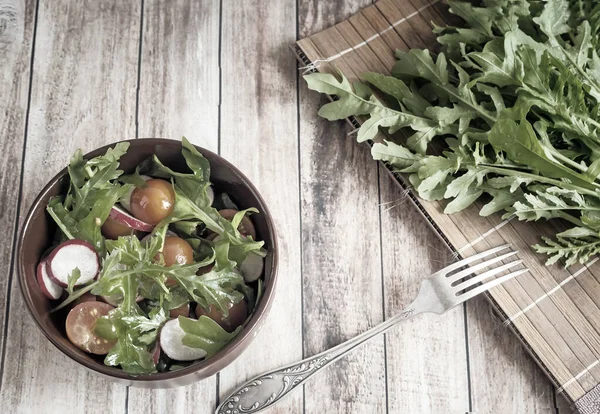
{"points": [[457, 276], [487, 286], [471, 259], [480, 278]]}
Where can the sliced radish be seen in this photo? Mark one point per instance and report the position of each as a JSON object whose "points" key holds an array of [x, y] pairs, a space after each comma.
{"points": [[252, 267], [125, 201], [70, 255], [127, 219], [210, 192], [50, 289], [156, 353], [171, 342]]}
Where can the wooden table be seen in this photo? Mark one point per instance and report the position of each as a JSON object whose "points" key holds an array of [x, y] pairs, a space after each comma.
{"points": [[86, 73]]}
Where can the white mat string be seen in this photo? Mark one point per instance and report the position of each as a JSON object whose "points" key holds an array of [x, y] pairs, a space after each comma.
{"points": [[482, 237], [317, 63], [550, 292], [576, 377]]}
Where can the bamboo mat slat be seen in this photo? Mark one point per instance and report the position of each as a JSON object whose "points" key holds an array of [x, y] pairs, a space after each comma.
{"points": [[554, 311]]}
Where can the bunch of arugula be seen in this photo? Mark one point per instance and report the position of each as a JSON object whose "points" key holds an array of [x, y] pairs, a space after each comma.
{"points": [[131, 268], [509, 109]]}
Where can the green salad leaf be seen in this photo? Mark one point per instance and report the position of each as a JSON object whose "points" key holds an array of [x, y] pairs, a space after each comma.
{"points": [[132, 329], [133, 272], [92, 193], [508, 112], [206, 334], [193, 205]]}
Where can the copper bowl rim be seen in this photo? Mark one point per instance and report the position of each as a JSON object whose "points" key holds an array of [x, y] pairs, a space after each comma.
{"points": [[200, 369]]}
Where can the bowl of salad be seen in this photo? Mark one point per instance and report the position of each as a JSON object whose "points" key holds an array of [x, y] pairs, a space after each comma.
{"points": [[151, 261]]}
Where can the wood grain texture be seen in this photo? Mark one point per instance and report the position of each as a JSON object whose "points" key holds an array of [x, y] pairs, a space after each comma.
{"points": [[83, 96], [179, 96], [323, 45], [321, 187], [340, 240], [259, 135], [179, 73], [426, 356], [16, 34]]}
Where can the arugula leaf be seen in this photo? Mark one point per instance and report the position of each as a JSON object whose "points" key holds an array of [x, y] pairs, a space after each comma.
{"points": [[92, 194], [126, 323], [351, 103], [397, 155], [577, 245], [73, 278], [522, 146], [217, 287], [204, 333], [515, 96], [554, 18]]}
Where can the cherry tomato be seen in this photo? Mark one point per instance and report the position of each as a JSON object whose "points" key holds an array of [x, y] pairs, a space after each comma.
{"points": [[80, 325], [237, 315], [86, 297], [153, 202], [246, 228], [180, 311], [112, 229], [176, 251], [205, 269]]}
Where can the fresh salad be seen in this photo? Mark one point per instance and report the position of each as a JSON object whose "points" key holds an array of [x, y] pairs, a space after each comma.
{"points": [[508, 114], [154, 269]]}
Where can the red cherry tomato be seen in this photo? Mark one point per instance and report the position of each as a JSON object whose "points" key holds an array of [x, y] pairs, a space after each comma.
{"points": [[246, 228], [237, 315], [153, 202], [80, 325]]}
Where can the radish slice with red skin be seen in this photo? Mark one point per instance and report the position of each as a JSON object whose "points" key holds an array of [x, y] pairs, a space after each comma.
{"points": [[171, 343], [156, 353], [50, 289], [252, 267], [70, 255], [210, 192], [128, 220]]}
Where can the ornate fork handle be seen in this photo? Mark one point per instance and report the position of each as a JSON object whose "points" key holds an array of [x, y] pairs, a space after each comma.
{"points": [[267, 389]]}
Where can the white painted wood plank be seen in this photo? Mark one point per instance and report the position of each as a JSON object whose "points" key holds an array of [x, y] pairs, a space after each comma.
{"points": [[341, 265], [259, 135], [179, 77], [16, 34], [426, 356], [179, 96], [83, 96], [341, 251]]}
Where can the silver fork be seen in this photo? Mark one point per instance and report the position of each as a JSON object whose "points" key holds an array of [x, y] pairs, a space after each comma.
{"points": [[439, 293]]}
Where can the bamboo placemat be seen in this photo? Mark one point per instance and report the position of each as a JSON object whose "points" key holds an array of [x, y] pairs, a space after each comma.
{"points": [[555, 312]]}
